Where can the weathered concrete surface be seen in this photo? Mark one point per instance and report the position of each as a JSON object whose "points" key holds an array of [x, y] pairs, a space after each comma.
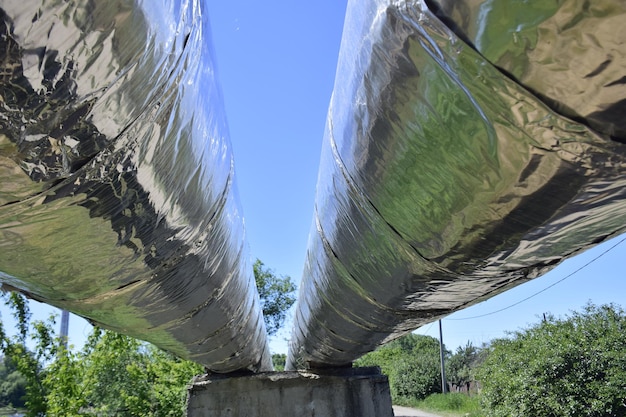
{"points": [[358, 392]]}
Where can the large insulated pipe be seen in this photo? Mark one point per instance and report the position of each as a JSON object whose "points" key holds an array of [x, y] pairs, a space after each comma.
{"points": [[443, 180], [117, 196]]}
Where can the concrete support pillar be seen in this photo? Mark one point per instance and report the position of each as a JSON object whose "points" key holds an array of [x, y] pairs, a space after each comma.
{"points": [[352, 392]]}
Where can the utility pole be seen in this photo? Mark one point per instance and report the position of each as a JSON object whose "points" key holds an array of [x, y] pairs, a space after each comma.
{"points": [[444, 385], [65, 324]]}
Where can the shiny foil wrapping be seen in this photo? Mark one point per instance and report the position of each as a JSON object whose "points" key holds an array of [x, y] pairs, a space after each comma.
{"points": [[117, 196], [569, 53], [449, 173]]}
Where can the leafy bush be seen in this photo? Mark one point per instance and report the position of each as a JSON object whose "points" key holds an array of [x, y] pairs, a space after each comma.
{"points": [[411, 364], [112, 375], [279, 360], [461, 367], [12, 384], [417, 378], [560, 367]]}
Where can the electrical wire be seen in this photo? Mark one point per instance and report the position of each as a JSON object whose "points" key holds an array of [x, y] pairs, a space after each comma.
{"points": [[427, 330], [545, 289]]}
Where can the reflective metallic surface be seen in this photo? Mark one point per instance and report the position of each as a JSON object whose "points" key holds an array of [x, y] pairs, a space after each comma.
{"points": [[570, 53], [117, 199], [464, 154], [444, 182]]}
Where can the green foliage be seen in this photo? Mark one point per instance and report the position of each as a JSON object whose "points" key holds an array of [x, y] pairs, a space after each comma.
{"points": [[417, 377], [278, 360], [13, 385], [29, 363], [118, 375], [452, 404], [169, 377], [560, 367], [276, 293], [114, 381], [113, 375], [461, 367], [412, 365]]}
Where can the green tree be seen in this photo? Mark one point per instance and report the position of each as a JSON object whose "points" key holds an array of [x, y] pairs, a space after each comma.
{"points": [[279, 360], [114, 381], [169, 377], [64, 395], [276, 293], [462, 366], [12, 385], [412, 365], [30, 363], [574, 366], [121, 376], [113, 374], [417, 377]]}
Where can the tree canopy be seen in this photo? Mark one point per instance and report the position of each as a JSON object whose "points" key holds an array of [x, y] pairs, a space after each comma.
{"points": [[462, 366], [276, 293], [12, 384], [575, 366], [112, 375], [279, 360], [412, 365]]}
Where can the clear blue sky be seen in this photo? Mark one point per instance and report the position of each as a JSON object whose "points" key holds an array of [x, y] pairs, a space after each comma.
{"points": [[276, 62]]}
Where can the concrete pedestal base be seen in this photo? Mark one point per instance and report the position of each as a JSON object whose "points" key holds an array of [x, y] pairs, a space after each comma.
{"points": [[358, 392]]}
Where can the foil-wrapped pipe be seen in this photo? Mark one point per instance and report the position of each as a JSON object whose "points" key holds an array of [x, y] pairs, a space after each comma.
{"points": [[569, 53], [444, 181], [117, 194]]}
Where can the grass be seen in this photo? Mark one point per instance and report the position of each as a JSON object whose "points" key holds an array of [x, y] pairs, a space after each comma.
{"points": [[450, 405]]}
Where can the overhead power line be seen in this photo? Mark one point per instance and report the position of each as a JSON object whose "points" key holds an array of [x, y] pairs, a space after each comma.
{"points": [[546, 288]]}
